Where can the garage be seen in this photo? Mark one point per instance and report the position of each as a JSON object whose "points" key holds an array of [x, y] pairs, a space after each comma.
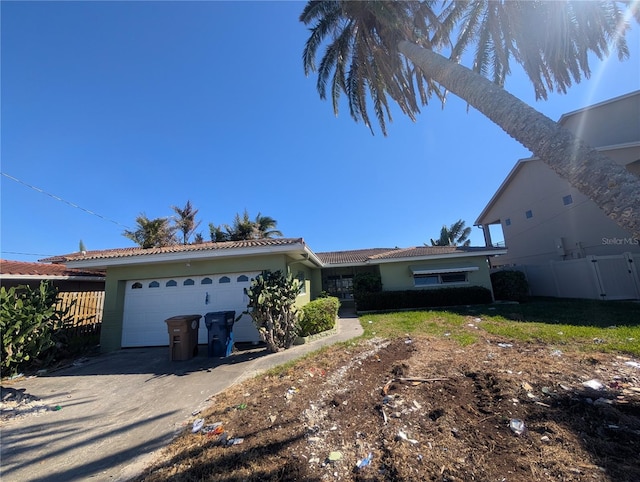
{"points": [[149, 302]]}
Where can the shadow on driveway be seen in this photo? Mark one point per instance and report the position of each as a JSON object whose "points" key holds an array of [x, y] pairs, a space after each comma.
{"points": [[103, 416]]}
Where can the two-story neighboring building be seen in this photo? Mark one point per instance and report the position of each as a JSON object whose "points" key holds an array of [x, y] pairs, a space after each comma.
{"points": [[564, 243]]}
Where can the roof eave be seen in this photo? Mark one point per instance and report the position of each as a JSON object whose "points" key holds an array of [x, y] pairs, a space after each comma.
{"points": [[346, 264], [503, 186], [563, 118], [52, 277], [429, 257], [142, 259]]}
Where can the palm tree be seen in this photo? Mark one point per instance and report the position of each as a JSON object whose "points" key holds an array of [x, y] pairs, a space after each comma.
{"points": [[388, 49], [186, 221], [152, 233], [266, 226], [244, 228], [455, 235]]}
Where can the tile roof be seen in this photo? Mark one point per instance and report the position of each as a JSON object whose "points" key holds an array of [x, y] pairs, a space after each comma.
{"points": [[178, 248], [355, 256], [422, 251], [362, 256], [22, 268]]}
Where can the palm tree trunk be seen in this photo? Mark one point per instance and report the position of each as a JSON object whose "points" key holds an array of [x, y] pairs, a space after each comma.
{"points": [[614, 189]]}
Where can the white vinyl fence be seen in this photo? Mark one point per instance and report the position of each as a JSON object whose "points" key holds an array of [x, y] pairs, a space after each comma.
{"points": [[614, 277]]}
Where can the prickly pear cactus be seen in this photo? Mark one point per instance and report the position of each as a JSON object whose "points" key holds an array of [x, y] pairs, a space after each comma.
{"points": [[272, 297]]}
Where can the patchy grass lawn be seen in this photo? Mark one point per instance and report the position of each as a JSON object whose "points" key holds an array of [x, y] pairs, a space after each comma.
{"points": [[573, 324], [436, 395]]}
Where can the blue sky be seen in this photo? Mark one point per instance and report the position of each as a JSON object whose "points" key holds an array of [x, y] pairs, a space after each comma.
{"points": [[124, 108]]}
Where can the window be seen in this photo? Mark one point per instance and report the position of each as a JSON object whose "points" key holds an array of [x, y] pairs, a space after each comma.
{"points": [[225, 279], [507, 222], [206, 281], [453, 278], [242, 278], [529, 214], [154, 284], [425, 280], [136, 286], [171, 282], [425, 276], [188, 282], [566, 200]]}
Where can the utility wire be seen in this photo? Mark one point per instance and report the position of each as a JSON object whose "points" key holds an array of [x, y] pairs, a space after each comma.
{"points": [[57, 198], [28, 254]]}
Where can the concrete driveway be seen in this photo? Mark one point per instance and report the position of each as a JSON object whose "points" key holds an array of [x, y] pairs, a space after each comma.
{"points": [[104, 417]]}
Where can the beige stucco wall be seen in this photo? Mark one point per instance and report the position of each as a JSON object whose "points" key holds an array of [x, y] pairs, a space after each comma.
{"points": [[555, 231], [398, 276], [607, 124], [111, 333]]}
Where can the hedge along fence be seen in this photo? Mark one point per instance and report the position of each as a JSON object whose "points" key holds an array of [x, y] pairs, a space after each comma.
{"points": [[84, 317], [413, 299]]}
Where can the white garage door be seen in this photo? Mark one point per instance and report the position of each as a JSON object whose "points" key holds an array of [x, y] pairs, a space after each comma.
{"points": [[148, 303]]}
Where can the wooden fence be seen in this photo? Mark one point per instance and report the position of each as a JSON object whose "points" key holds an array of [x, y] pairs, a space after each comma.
{"points": [[85, 315]]}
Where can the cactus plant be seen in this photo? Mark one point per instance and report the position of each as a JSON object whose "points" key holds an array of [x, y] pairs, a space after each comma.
{"points": [[272, 297]]}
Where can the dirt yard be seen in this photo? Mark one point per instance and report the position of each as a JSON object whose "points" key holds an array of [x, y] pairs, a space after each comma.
{"points": [[422, 409]]}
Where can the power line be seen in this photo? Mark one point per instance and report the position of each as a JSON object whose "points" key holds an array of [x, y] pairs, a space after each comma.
{"points": [[28, 254], [58, 198]]}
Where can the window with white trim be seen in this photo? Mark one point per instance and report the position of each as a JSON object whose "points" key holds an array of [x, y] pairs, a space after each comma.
{"points": [[423, 276]]}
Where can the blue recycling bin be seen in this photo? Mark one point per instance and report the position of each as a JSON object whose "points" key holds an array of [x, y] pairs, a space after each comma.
{"points": [[220, 332]]}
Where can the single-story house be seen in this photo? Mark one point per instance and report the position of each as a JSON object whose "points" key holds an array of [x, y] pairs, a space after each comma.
{"points": [[144, 287]]}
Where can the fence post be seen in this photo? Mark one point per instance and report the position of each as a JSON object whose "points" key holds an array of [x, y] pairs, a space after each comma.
{"points": [[634, 271], [597, 275]]}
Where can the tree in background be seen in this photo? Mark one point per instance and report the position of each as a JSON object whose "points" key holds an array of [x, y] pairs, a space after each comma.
{"points": [[266, 226], [152, 233], [455, 235], [185, 222], [383, 50], [217, 233], [244, 228]]}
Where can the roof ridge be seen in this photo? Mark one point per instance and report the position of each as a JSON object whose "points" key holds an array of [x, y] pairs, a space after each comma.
{"points": [[174, 248]]}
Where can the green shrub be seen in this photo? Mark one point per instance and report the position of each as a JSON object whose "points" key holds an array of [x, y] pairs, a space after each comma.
{"points": [[29, 321], [509, 285], [319, 315], [397, 300], [272, 298], [366, 283]]}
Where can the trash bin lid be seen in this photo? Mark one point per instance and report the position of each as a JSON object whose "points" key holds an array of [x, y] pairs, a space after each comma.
{"points": [[179, 318]]}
